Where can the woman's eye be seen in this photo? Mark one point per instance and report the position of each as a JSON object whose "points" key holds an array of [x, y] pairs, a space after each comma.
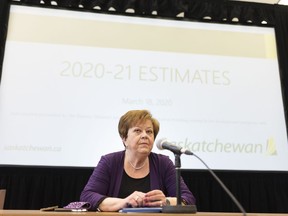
{"points": [[138, 130], [149, 132]]}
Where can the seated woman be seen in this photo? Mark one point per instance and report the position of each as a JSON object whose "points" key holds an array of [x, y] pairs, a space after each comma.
{"points": [[136, 176]]}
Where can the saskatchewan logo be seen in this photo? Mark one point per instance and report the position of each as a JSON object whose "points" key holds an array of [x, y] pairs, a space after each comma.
{"points": [[271, 147]]}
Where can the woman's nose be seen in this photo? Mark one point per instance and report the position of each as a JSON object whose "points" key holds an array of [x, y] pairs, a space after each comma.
{"points": [[144, 134]]}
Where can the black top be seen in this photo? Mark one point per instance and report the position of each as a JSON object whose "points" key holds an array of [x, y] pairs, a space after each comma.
{"points": [[129, 185]]}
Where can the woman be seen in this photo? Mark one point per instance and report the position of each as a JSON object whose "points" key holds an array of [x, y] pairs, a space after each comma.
{"points": [[136, 176]]}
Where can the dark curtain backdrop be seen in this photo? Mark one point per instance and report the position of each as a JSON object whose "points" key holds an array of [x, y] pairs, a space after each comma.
{"points": [[37, 187]]}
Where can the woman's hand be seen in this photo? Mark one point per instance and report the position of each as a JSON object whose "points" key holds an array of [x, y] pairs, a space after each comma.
{"points": [[154, 198], [136, 199]]}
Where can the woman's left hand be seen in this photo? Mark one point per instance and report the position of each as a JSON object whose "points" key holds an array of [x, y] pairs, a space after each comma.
{"points": [[154, 198]]}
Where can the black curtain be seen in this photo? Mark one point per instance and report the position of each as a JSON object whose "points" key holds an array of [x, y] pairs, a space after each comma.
{"points": [[37, 187]]}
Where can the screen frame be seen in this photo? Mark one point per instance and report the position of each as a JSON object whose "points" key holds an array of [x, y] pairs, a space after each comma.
{"points": [[131, 15]]}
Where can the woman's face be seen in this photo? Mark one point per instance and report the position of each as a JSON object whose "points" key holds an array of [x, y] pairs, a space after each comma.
{"points": [[140, 138]]}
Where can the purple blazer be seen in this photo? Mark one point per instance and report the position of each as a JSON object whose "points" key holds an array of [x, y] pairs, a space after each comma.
{"points": [[106, 179]]}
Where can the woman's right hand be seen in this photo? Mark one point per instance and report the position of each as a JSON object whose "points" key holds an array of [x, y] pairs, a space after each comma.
{"points": [[136, 199], [113, 204]]}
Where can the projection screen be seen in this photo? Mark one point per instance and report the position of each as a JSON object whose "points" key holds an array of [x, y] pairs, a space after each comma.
{"points": [[68, 76]]}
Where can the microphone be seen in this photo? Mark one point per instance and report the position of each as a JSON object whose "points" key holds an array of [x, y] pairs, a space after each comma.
{"points": [[164, 144]]}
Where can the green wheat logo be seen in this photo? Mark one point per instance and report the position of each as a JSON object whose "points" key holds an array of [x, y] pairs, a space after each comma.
{"points": [[271, 147]]}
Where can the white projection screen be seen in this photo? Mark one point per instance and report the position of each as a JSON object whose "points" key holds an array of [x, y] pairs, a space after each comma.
{"points": [[68, 76]]}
